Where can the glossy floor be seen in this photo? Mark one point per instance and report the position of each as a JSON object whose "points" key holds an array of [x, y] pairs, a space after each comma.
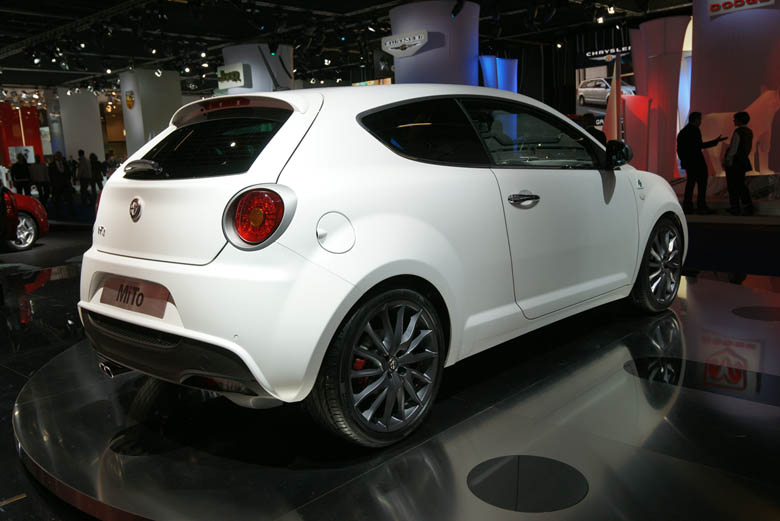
{"points": [[673, 416]]}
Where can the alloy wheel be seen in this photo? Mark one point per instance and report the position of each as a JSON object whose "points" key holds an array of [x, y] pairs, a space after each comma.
{"points": [[393, 367], [664, 264], [25, 231]]}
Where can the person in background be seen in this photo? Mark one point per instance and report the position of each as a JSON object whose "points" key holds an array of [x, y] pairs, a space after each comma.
{"points": [[60, 175], [20, 174], [39, 176], [589, 123], [737, 165], [85, 179], [98, 169], [689, 147]]}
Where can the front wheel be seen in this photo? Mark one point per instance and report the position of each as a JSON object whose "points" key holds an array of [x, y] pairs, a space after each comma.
{"points": [[382, 371], [26, 232], [659, 275], [582, 101]]}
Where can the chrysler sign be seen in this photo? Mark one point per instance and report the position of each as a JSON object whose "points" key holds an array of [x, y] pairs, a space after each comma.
{"points": [[402, 45], [729, 6]]}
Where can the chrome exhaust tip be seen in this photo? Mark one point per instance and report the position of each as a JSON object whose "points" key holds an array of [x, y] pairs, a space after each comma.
{"points": [[111, 369]]}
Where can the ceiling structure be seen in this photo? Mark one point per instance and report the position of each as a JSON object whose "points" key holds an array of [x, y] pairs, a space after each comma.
{"points": [[86, 44]]}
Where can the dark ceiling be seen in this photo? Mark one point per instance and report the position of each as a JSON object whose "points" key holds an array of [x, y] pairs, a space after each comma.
{"points": [[73, 43]]}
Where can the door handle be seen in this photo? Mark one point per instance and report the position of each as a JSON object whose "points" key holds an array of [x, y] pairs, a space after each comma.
{"points": [[523, 198]]}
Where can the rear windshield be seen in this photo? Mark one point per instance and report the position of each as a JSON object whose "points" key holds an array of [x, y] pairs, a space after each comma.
{"points": [[215, 147]]}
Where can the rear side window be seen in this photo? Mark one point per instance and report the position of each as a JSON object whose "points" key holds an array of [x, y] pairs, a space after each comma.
{"points": [[218, 146], [434, 130]]}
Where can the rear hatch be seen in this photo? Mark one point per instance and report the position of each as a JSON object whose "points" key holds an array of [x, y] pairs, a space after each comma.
{"points": [[183, 179]]}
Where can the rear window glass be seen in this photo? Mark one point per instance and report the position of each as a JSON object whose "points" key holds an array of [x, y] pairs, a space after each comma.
{"points": [[215, 147], [434, 130]]}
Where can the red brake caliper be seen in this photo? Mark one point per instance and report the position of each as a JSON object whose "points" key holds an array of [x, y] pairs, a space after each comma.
{"points": [[358, 365]]}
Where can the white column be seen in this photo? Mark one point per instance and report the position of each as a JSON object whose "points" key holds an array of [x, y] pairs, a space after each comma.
{"points": [[451, 54], [80, 118], [267, 72], [154, 100]]}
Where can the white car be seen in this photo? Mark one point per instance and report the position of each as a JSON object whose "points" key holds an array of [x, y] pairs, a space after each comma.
{"points": [[342, 246], [597, 91]]}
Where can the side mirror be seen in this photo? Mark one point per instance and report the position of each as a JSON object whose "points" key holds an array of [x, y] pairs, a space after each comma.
{"points": [[618, 153]]}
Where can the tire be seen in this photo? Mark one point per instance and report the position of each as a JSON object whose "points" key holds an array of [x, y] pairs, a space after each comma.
{"points": [[26, 233], [582, 101], [659, 275], [391, 345]]}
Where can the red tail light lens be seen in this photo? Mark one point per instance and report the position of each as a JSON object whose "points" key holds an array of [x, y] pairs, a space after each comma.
{"points": [[258, 215]]}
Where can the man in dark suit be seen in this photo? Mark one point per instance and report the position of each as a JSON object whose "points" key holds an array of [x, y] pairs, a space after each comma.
{"points": [[60, 174], [689, 147]]}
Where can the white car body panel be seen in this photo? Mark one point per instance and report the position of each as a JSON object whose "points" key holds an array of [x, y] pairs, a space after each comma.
{"points": [[278, 308]]}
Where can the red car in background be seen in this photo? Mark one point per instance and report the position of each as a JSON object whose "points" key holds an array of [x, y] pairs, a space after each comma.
{"points": [[32, 221], [10, 218]]}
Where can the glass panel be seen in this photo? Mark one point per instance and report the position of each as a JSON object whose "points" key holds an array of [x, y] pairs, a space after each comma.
{"points": [[431, 130], [517, 135], [216, 147]]}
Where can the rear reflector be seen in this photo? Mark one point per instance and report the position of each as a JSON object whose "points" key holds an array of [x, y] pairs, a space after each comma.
{"points": [[258, 215]]}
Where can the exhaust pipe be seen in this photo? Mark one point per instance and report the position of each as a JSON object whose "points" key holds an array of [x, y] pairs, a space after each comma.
{"points": [[112, 369]]}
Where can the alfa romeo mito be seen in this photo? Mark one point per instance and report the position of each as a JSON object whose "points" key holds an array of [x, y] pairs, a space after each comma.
{"points": [[340, 247]]}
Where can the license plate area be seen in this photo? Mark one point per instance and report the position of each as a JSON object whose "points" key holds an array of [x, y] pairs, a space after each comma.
{"points": [[141, 296]]}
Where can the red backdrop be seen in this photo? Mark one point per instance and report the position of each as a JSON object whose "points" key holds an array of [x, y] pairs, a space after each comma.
{"points": [[11, 131]]}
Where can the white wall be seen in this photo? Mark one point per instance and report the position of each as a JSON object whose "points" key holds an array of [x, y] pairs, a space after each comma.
{"points": [[81, 129]]}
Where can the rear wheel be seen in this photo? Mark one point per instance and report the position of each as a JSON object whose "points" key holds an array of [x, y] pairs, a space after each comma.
{"points": [[659, 275], [382, 370], [26, 232]]}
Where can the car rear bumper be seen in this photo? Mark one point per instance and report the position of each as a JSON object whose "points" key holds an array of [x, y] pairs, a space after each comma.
{"points": [[261, 320]]}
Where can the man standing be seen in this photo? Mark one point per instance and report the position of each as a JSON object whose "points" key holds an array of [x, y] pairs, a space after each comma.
{"points": [[85, 179], [20, 173], [59, 173], [737, 165], [689, 147], [39, 175]]}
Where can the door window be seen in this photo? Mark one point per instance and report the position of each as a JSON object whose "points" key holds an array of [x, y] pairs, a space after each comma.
{"points": [[433, 130], [517, 135]]}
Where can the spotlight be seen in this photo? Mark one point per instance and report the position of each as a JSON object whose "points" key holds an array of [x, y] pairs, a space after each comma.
{"points": [[322, 82], [205, 65], [69, 92], [154, 51], [36, 60], [272, 48], [600, 20], [295, 70], [343, 38], [559, 45], [158, 73], [108, 70], [338, 80], [312, 81], [77, 90], [203, 76], [371, 29], [457, 8], [611, 9], [203, 55], [82, 45], [326, 61], [64, 66], [186, 69], [54, 60], [35, 95]]}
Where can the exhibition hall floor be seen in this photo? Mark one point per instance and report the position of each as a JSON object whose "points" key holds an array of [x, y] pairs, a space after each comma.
{"points": [[613, 416]]}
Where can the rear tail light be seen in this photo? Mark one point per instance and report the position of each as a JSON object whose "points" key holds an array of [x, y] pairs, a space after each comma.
{"points": [[258, 214]]}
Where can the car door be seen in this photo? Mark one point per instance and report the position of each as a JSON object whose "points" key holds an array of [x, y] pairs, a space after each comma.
{"points": [[601, 91], [572, 227]]}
